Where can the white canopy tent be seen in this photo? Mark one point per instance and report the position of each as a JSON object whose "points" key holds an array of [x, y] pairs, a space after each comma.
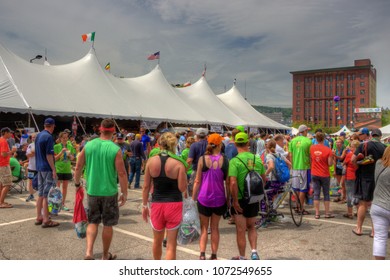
{"points": [[83, 88], [236, 103], [200, 96], [343, 129], [385, 131]]}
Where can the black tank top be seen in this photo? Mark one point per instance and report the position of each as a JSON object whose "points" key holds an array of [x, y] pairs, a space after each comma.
{"points": [[165, 189]]}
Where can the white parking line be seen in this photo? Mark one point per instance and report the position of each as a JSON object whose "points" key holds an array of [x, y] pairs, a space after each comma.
{"points": [[129, 233]]}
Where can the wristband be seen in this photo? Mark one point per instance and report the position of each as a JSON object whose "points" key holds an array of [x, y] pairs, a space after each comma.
{"points": [[77, 185], [145, 206]]}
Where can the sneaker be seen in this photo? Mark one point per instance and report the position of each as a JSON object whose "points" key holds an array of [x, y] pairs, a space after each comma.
{"points": [[255, 256], [65, 208], [30, 198], [238, 258]]}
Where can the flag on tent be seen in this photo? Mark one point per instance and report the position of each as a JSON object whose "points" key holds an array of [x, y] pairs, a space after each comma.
{"points": [[89, 37], [108, 66], [154, 56], [187, 84], [204, 71]]}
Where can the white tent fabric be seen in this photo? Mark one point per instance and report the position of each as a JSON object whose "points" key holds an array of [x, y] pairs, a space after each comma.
{"points": [[235, 102], [83, 88], [343, 129], [385, 131], [199, 95], [294, 131]]}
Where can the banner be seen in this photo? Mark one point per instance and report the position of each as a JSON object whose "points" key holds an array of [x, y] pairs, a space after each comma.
{"points": [[216, 128], [150, 124], [368, 110]]}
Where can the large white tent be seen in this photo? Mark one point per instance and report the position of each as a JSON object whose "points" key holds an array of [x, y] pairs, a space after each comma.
{"points": [[385, 131], [235, 102], [200, 96], [83, 88]]}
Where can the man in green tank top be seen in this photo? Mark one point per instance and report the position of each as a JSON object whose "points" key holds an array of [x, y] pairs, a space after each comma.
{"points": [[103, 163]]}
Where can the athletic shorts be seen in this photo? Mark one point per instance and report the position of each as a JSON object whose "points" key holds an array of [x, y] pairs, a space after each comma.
{"points": [[45, 182], [5, 176], [249, 210], [368, 187], [339, 171], [166, 215], [64, 176], [300, 180], [209, 211], [103, 208]]}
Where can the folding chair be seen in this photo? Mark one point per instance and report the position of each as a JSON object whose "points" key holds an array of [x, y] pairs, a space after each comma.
{"points": [[18, 183]]}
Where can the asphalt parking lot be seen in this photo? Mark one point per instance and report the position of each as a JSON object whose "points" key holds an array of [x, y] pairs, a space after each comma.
{"points": [[323, 239]]}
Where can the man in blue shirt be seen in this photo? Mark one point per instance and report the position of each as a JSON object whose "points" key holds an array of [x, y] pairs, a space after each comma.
{"points": [[145, 139], [44, 156], [196, 151]]}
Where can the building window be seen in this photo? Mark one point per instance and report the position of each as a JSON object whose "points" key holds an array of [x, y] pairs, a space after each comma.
{"points": [[353, 76], [298, 109], [362, 76], [362, 84], [298, 118], [298, 87], [361, 100], [362, 91]]}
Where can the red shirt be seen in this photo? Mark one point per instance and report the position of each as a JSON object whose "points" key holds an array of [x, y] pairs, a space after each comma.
{"points": [[4, 161], [351, 169], [319, 155]]}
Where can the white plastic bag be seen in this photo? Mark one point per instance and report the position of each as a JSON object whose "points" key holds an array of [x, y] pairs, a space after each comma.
{"points": [[189, 230]]}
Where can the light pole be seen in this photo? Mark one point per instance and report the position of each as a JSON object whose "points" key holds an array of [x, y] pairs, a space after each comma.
{"points": [[36, 57]]}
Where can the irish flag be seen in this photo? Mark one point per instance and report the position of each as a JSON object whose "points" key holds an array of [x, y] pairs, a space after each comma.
{"points": [[89, 37]]}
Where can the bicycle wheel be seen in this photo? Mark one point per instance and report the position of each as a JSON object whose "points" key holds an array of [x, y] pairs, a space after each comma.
{"points": [[295, 208]]}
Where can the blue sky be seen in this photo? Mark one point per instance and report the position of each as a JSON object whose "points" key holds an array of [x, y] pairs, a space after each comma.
{"points": [[257, 42]]}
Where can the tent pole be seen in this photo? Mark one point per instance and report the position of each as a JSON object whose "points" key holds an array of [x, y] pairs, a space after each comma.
{"points": [[172, 127], [32, 116], [145, 124], [119, 130], [82, 127]]}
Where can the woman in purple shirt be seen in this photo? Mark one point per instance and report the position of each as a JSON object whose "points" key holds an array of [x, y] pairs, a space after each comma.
{"points": [[210, 191]]}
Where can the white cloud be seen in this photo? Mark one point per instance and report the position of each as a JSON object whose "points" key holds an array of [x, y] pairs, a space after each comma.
{"points": [[257, 42]]}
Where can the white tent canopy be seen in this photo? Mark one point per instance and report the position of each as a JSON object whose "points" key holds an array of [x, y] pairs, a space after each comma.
{"points": [[343, 129], [200, 96], [236, 103], [83, 88], [385, 131]]}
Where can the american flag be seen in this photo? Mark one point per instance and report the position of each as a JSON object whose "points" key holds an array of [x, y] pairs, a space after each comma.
{"points": [[154, 56]]}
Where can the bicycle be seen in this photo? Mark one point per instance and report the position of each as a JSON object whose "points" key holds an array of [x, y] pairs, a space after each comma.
{"points": [[270, 212]]}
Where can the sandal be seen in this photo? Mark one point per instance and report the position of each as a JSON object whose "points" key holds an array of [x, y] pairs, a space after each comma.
{"points": [[317, 217], [111, 257], [304, 212], [38, 222], [329, 216], [337, 199], [348, 216], [202, 258], [88, 258], [50, 224], [6, 205]]}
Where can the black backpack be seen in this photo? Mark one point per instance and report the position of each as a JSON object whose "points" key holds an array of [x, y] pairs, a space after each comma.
{"points": [[253, 185]]}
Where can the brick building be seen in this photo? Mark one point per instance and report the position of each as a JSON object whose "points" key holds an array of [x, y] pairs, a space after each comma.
{"points": [[314, 90]]}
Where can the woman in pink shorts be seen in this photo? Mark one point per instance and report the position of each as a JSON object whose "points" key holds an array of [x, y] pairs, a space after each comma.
{"points": [[168, 176]]}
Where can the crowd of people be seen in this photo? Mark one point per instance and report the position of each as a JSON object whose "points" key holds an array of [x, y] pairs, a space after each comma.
{"points": [[208, 167]]}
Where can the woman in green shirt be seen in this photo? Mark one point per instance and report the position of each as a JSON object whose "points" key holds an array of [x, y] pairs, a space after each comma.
{"points": [[64, 153]]}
